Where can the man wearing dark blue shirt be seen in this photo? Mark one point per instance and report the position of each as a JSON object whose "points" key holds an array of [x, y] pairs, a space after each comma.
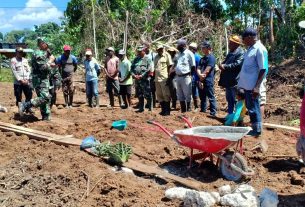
{"points": [[68, 65], [206, 73]]}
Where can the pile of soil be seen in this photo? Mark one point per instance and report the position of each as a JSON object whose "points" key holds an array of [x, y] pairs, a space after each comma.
{"points": [[35, 173]]}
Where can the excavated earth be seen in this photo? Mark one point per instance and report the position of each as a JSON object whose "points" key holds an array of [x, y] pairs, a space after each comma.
{"points": [[36, 173]]}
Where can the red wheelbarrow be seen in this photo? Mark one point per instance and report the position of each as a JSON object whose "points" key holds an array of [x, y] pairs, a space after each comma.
{"points": [[214, 141]]}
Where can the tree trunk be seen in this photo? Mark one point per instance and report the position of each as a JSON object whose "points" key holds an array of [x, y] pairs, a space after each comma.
{"points": [[283, 10], [271, 37], [259, 19]]}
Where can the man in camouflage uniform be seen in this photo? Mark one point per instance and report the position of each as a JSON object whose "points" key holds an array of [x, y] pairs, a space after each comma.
{"points": [[42, 65], [140, 68]]}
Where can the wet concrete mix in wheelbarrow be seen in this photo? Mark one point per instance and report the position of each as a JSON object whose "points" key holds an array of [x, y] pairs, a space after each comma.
{"points": [[34, 173]]}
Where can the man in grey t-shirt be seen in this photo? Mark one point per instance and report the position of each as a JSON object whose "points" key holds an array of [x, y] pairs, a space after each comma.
{"points": [[184, 65], [250, 78]]}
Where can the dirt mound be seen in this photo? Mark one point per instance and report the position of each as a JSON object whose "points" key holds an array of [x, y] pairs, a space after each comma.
{"points": [[284, 82]]}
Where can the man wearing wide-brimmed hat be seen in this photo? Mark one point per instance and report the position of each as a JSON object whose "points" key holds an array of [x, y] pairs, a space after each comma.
{"points": [[230, 69]]}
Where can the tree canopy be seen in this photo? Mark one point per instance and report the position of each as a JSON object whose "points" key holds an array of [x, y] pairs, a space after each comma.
{"points": [[167, 20]]}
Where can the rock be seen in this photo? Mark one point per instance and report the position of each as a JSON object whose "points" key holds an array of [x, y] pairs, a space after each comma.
{"points": [[296, 179], [244, 196], [177, 192], [268, 198], [127, 170], [224, 190], [200, 199]]}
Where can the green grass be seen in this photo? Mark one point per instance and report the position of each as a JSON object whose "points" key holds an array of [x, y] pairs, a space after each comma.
{"points": [[6, 75]]}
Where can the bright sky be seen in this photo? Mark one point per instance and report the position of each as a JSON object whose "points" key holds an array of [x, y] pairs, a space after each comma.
{"points": [[21, 14]]}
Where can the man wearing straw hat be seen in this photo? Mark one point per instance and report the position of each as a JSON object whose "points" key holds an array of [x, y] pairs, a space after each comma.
{"points": [[230, 69]]}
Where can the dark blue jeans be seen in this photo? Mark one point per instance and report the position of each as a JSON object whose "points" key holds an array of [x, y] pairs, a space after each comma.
{"points": [[194, 89], [230, 96], [208, 92], [253, 107], [92, 88]]}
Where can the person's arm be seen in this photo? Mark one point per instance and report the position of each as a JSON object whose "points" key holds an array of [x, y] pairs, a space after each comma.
{"points": [[262, 71], [236, 65], [97, 68], [169, 63], [192, 62], [74, 63]]}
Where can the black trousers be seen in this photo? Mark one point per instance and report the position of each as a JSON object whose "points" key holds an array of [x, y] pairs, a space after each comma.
{"points": [[27, 91]]}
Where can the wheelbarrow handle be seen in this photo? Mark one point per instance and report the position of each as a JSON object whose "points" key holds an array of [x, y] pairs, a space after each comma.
{"points": [[186, 120], [161, 127]]}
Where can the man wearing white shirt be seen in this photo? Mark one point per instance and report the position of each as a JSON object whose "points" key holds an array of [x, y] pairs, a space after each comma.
{"points": [[21, 71], [184, 65]]}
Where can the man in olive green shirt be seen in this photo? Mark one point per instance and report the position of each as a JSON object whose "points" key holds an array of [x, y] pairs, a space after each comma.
{"points": [[162, 64]]}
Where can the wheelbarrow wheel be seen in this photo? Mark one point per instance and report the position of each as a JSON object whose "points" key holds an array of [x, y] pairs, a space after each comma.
{"points": [[227, 171]]}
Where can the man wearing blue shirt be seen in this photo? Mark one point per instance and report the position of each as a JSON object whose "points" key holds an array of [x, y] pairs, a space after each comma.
{"points": [[193, 47], [250, 78], [92, 70], [67, 66], [206, 73]]}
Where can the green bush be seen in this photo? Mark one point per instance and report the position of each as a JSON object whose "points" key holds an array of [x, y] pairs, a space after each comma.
{"points": [[6, 75]]}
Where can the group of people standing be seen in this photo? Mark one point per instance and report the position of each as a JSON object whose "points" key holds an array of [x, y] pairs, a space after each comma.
{"points": [[168, 75]]}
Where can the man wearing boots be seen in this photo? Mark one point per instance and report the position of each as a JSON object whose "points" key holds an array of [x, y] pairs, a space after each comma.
{"points": [[163, 64], [125, 79], [67, 65], [92, 70], [112, 76], [42, 64], [21, 71], [184, 65], [140, 68]]}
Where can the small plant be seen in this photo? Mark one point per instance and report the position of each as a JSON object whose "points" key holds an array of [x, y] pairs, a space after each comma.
{"points": [[103, 149], [117, 153], [120, 153]]}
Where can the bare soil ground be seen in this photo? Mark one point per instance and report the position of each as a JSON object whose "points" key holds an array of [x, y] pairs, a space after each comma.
{"points": [[34, 173]]}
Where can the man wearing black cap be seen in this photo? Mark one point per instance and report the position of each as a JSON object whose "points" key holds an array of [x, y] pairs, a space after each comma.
{"points": [[21, 70], [250, 78], [206, 73], [184, 65]]}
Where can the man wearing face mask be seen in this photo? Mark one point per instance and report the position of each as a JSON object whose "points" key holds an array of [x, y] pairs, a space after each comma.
{"points": [[184, 65]]}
